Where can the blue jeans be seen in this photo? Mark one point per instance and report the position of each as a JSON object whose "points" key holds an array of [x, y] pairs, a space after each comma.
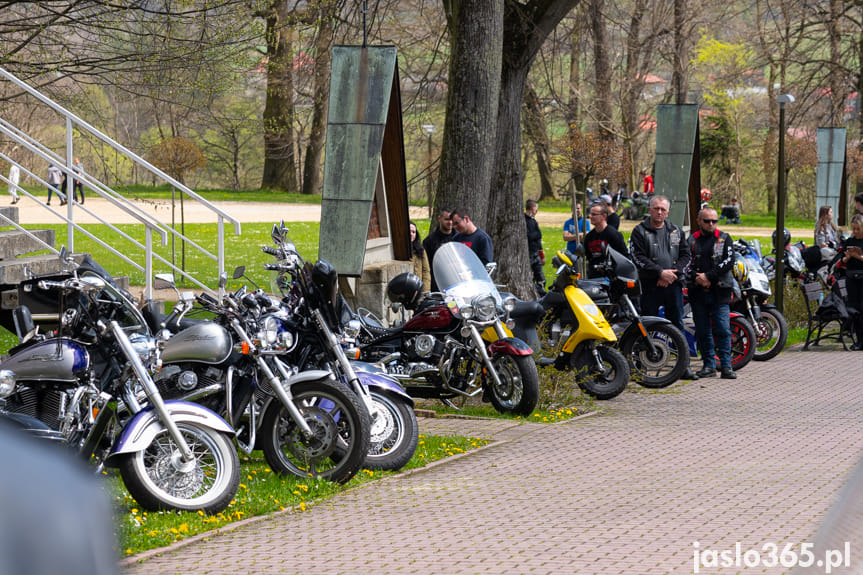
{"points": [[707, 312]]}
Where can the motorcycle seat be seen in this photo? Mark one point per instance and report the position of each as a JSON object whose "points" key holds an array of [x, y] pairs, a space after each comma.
{"points": [[154, 319]]}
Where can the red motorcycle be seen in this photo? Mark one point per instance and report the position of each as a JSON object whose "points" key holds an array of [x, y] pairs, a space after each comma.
{"points": [[455, 344]]}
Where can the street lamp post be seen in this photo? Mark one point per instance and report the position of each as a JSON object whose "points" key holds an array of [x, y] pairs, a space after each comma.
{"points": [[780, 204], [429, 129]]}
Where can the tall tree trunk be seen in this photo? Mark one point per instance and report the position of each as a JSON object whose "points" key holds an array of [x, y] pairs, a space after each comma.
{"points": [[323, 58], [525, 29], [679, 81], [837, 89], [633, 86], [602, 70], [534, 125], [466, 162], [573, 110], [279, 157]]}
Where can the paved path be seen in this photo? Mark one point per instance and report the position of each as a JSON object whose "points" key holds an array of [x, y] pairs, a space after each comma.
{"points": [[757, 460]]}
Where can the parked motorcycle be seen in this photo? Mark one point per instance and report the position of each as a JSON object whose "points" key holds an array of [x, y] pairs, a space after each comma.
{"points": [[311, 298], [87, 385], [751, 293], [441, 352], [578, 335], [635, 206], [656, 349], [307, 423]]}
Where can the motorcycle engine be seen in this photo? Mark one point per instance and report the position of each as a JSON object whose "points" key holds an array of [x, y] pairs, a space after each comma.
{"points": [[424, 345]]}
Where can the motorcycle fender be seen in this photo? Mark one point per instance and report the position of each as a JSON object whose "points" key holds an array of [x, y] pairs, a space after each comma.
{"points": [[509, 346], [647, 320], [591, 323], [489, 334], [143, 427], [310, 375], [383, 383]]}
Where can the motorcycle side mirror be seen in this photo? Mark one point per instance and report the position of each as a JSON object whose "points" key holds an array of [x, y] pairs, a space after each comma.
{"points": [[276, 234], [223, 279], [239, 272], [163, 281], [396, 307], [490, 268]]}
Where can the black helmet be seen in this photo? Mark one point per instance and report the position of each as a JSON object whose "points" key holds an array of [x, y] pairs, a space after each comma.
{"points": [[787, 236], [405, 289]]}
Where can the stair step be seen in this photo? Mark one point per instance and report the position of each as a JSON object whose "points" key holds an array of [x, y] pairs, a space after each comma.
{"points": [[13, 271], [14, 243], [10, 212]]}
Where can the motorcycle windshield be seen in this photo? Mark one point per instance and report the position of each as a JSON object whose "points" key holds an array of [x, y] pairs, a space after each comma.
{"points": [[460, 274], [123, 310]]}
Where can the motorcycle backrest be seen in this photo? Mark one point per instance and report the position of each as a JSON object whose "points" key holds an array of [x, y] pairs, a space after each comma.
{"points": [[25, 328]]}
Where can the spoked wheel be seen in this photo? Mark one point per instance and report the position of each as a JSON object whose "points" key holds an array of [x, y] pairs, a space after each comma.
{"points": [[339, 439], [771, 332], [394, 432], [518, 391], [158, 478], [604, 383], [743, 341], [663, 365]]}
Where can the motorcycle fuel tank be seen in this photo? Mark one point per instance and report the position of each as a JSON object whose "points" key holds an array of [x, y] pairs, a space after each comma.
{"points": [[434, 317], [51, 360], [203, 343]]}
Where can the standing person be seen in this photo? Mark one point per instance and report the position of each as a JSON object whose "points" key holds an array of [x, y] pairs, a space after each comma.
{"points": [[825, 230], [473, 237], [441, 235], [710, 289], [647, 182], [14, 178], [77, 185], [600, 236], [613, 218], [422, 269], [853, 258], [858, 203], [661, 254], [534, 245], [574, 229], [53, 181]]}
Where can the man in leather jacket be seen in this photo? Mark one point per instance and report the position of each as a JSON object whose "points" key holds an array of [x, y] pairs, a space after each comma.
{"points": [[710, 288], [659, 250], [534, 245]]}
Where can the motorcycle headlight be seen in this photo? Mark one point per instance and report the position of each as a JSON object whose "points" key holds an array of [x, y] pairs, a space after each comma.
{"points": [[286, 340], [485, 307], [509, 304], [270, 333], [144, 346], [352, 329], [7, 383], [466, 311]]}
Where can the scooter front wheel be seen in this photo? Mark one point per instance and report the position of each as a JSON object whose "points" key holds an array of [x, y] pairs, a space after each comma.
{"points": [[605, 383]]}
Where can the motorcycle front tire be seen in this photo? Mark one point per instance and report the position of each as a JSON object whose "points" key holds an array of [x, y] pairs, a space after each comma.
{"points": [[159, 481], [337, 447], [518, 392], [743, 342], [394, 432], [605, 385], [771, 333], [671, 360]]}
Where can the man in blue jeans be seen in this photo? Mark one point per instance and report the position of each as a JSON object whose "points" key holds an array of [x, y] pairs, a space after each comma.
{"points": [[710, 288]]}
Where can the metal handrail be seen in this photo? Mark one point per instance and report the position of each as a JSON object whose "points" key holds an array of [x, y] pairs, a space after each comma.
{"points": [[150, 223]]}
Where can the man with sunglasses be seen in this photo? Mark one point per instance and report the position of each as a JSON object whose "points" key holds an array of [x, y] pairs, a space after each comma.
{"points": [[660, 252], [710, 288]]}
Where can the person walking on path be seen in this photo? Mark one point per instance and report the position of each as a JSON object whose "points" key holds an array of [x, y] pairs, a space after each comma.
{"points": [[473, 237], [661, 254], [422, 269], [14, 179], [441, 235], [53, 180], [710, 289], [77, 185], [534, 246]]}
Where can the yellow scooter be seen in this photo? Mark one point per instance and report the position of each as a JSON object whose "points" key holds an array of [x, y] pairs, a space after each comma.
{"points": [[577, 331]]}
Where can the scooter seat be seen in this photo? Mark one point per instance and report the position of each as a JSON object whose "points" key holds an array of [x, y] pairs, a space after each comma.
{"points": [[527, 310]]}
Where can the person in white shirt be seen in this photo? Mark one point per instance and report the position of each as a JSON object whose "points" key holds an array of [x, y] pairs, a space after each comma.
{"points": [[14, 178]]}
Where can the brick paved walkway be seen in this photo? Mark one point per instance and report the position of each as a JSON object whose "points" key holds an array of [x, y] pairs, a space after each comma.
{"points": [[754, 461]]}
